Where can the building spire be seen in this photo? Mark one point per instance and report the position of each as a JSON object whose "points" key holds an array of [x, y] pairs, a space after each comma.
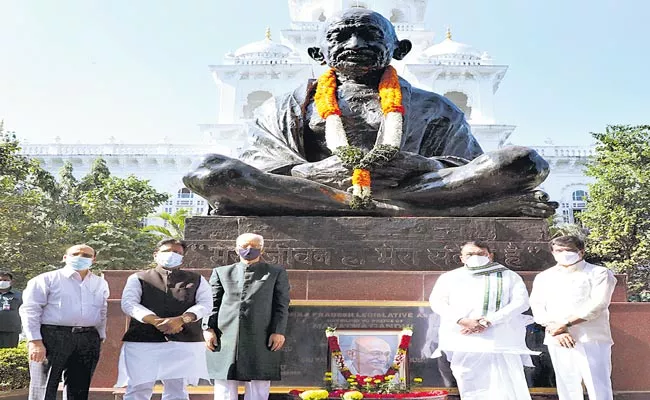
{"points": [[449, 32], [268, 32]]}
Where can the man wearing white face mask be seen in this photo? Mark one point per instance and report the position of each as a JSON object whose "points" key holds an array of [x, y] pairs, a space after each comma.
{"points": [[246, 328], [482, 329], [10, 301], [571, 300], [164, 340], [64, 319]]}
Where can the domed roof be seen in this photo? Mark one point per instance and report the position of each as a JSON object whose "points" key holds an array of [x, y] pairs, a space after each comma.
{"points": [[451, 52], [264, 49]]}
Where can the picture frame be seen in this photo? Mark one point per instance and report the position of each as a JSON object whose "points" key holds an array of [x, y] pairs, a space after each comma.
{"points": [[367, 352]]}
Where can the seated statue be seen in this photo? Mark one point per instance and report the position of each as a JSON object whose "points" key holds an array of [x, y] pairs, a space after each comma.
{"points": [[362, 141]]}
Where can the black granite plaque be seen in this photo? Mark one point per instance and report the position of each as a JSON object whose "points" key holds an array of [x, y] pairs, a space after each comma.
{"points": [[369, 243], [305, 356]]}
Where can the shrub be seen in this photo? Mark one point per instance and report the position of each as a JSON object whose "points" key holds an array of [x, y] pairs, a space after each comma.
{"points": [[14, 367]]}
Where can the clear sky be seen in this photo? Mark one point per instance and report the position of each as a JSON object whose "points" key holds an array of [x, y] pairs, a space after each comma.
{"points": [[86, 70]]}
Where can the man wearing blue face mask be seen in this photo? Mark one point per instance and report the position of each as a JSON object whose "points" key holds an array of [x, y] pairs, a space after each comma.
{"points": [[64, 319], [164, 339], [571, 300], [248, 321], [482, 329]]}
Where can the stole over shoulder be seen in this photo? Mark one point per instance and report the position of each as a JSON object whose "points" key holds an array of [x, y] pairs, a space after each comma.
{"points": [[362, 141]]}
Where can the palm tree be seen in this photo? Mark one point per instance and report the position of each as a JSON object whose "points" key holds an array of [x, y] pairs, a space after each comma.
{"points": [[174, 224]]}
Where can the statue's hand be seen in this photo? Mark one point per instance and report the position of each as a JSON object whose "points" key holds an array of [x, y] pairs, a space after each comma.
{"points": [[329, 171], [402, 166]]}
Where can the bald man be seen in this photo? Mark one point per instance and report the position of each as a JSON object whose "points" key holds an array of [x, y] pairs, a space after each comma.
{"points": [[249, 318], [64, 319], [371, 355]]}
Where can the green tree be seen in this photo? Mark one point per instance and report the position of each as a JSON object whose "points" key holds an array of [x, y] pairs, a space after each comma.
{"points": [[174, 224], [30, 231], [108, 213], [618, 208], [40, 217]]}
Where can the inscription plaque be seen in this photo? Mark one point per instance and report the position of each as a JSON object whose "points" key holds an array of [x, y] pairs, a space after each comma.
{"points": [[305, 355], [369, 243]]}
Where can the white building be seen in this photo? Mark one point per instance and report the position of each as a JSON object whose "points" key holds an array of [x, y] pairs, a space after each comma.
{"points": [[259, 70]]}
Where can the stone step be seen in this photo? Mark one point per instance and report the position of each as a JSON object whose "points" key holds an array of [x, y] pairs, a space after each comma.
{"points": [[205, 393]]}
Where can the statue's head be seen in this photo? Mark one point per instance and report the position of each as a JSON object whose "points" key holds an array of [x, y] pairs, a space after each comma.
{"points": [[359, 40]]}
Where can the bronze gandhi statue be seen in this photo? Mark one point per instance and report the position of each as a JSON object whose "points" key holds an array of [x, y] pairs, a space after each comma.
{"points": [[419, 150]]}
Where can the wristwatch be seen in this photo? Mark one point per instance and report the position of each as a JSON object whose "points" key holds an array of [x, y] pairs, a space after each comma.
{"points": [[484, 322], [187, 319], [568, 324]]}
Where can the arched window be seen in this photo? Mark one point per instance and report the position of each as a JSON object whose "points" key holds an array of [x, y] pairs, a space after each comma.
{"points": [[185, 193], [254, 100], [460, 99], [579, 195]]}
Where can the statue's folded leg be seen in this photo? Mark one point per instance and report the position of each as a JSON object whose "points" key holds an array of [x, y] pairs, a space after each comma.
{"points": [[507, 171], [235, 188], [499, 183]]}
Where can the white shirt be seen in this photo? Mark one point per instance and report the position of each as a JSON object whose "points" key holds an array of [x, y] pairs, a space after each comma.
{"points": [[582, 290], [132, 296], [460, 294], [142, 362], [61, 297]]}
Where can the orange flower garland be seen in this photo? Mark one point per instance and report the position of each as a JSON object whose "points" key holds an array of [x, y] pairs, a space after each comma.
{"points": [[325, 96], [387, 144], [390, 92], [361, 177]]}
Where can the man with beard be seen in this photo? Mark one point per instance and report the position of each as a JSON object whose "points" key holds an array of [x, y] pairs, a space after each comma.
{"points": [[360, 119]]}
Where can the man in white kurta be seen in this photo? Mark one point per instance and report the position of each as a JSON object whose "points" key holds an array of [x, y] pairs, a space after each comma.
{"points": [[571, 300], [164, 340], [482, 329]]}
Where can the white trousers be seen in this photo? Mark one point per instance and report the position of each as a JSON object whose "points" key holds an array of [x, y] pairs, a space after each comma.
{"points": [[489, 376], [590, 363], [254, 390], [173, 389]]}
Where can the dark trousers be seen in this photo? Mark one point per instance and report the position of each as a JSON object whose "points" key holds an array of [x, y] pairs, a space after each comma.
{"points": [[70, 354], [8, 339]]}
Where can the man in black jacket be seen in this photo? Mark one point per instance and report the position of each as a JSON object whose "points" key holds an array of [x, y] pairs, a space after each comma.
{"points": [[10, 300], [248, 322]]}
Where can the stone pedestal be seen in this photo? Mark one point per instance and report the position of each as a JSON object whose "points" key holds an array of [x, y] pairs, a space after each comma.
{"points": [[377, 273], [370, 243]]}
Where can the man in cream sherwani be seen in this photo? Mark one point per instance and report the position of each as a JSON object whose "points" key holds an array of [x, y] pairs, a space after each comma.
{"points": [[482, 329], [571, 300]]}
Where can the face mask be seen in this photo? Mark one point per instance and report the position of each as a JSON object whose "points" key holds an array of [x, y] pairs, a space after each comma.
{"points": [[476, 261], [566, 257], [169, 259], [78, 263], [5, 284], [249, 253]]}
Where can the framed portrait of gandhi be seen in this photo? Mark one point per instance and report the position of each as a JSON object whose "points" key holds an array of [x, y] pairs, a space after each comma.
{"points": [[367, 352]]}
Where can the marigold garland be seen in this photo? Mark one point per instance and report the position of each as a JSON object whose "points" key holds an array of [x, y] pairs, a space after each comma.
{"points": [[387, 144]]}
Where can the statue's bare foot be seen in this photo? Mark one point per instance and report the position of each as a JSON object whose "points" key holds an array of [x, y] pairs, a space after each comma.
{"points": [[530, 204]]}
